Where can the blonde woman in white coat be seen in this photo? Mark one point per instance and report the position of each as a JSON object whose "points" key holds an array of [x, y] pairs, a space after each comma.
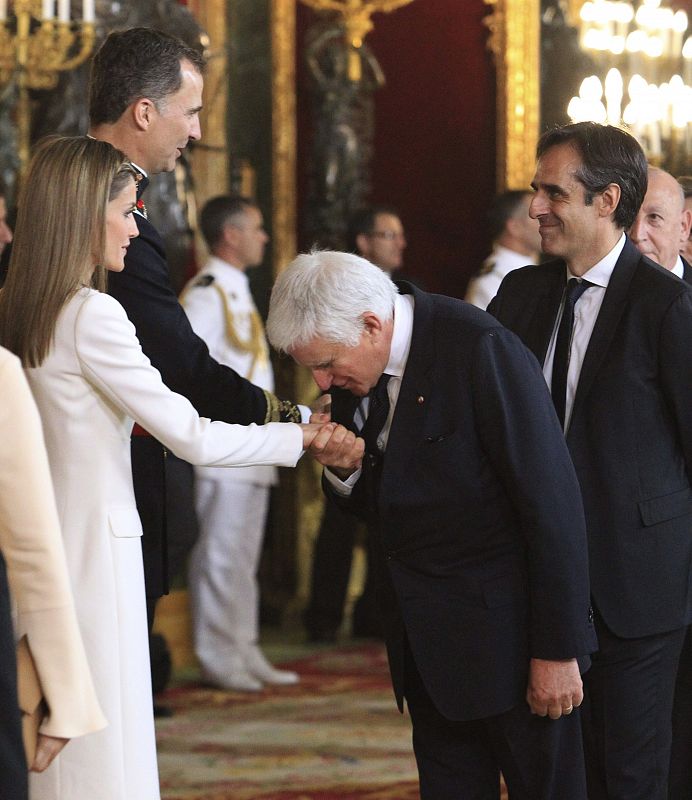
{"points": [[90, 380], [32, 550]]}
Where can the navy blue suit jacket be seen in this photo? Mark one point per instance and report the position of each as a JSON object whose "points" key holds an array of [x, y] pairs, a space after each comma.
{"points": [[479, 515], [630, 434]]}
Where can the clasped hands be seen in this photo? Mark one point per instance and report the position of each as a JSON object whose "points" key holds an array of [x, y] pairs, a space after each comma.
{"points": [[555, 687], [331, 444]]}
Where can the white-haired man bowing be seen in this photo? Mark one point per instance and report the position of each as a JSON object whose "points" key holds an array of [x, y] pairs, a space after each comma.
{"points": [[467, 479]]}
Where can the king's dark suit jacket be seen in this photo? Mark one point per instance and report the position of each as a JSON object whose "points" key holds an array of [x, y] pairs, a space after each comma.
{"points": [[480, 519], [630, 434], [144, 290]]}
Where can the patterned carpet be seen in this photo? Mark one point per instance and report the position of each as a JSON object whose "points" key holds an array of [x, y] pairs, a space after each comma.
{"points": [[335, 736]]}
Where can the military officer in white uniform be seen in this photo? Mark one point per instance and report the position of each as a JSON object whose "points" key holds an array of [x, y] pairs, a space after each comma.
{"points": [[231, 503]]}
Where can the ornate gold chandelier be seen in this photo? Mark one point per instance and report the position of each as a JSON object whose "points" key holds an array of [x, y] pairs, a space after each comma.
{"points": [[646, 55], [38, 41]]}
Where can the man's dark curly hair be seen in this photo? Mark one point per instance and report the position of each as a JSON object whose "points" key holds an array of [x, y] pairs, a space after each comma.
{"points": [[609, 155], [136, 63]]}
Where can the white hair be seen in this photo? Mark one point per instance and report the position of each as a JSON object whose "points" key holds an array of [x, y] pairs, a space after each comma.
{"points": [[324, 295]]}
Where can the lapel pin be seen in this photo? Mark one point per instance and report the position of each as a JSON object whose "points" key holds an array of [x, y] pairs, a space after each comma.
{"points": [[420, 400]]}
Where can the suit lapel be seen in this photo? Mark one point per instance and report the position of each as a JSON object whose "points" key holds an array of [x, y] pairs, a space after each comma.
{"points": [[609, 316], [543, 304], [407, 427]]}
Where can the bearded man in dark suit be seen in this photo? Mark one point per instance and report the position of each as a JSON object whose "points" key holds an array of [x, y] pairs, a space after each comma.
{"points": [[468, 487], [612, 331]]}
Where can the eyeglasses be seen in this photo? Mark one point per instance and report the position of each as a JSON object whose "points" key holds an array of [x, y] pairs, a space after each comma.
{"points": [[388, 236]]}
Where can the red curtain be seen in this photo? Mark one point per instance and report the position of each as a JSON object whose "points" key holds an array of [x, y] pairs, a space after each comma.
{"points": [[435, 134]]}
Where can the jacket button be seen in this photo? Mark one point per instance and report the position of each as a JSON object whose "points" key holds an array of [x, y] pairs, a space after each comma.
{"points": [[590, 614], [420, 400]]}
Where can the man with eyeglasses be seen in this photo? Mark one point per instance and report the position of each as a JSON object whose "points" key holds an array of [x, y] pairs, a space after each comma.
{"points": [[376, 233]]}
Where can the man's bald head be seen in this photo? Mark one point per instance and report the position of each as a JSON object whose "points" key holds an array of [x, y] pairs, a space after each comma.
{"points": [[662, 223]]}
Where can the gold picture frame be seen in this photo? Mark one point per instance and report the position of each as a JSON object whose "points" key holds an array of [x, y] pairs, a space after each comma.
{"points": [[515, 43]]}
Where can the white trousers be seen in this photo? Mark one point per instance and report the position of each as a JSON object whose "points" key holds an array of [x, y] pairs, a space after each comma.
{"points": [[222, 577]]}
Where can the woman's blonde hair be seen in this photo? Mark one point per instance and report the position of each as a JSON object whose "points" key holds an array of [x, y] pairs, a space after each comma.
{"points": [[59, 236]]}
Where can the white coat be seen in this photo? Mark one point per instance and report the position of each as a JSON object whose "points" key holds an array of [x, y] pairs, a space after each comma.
{"points": [[90, 388]]}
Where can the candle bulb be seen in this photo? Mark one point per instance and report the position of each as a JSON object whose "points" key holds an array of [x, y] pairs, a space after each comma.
{"points": [[48, 10], [64, 10], [88, 11], [3, 10]]}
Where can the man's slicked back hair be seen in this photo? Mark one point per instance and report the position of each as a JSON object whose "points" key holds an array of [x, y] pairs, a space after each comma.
{"points": [[136, 63], [609, 155]]}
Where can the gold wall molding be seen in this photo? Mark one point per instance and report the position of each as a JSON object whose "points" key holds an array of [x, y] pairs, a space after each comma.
{"points": [[515, 42], [209, 163], [306, 503], [283, 48]]}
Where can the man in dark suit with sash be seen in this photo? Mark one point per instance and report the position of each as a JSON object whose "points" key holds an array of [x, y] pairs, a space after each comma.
{"points": [[145, 99], [468, 487], [612, 332]]}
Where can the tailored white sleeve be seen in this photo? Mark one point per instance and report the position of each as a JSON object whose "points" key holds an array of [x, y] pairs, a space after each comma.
{"points": [[112, 360]]}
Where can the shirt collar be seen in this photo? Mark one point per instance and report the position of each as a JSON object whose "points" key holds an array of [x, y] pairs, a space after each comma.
{"points": [[601, 272], [229, 273], [401, 335], [679, 268], [142, 172]]}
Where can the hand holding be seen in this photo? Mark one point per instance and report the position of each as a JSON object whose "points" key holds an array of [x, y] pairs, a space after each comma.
{"points": [[339, 449], [310, 431], [47, 747], [554, 688]]}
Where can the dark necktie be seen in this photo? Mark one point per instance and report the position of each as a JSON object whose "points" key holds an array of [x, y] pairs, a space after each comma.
{"points": [[563, 344], [378, 411]]}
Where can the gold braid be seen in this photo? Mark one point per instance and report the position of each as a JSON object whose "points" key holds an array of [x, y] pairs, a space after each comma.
{"points": [[256, 345], [277, 410]]}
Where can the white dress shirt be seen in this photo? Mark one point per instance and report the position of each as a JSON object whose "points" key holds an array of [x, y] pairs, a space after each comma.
{"points": [[585, 314], [398, 356], [679, 269]]}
